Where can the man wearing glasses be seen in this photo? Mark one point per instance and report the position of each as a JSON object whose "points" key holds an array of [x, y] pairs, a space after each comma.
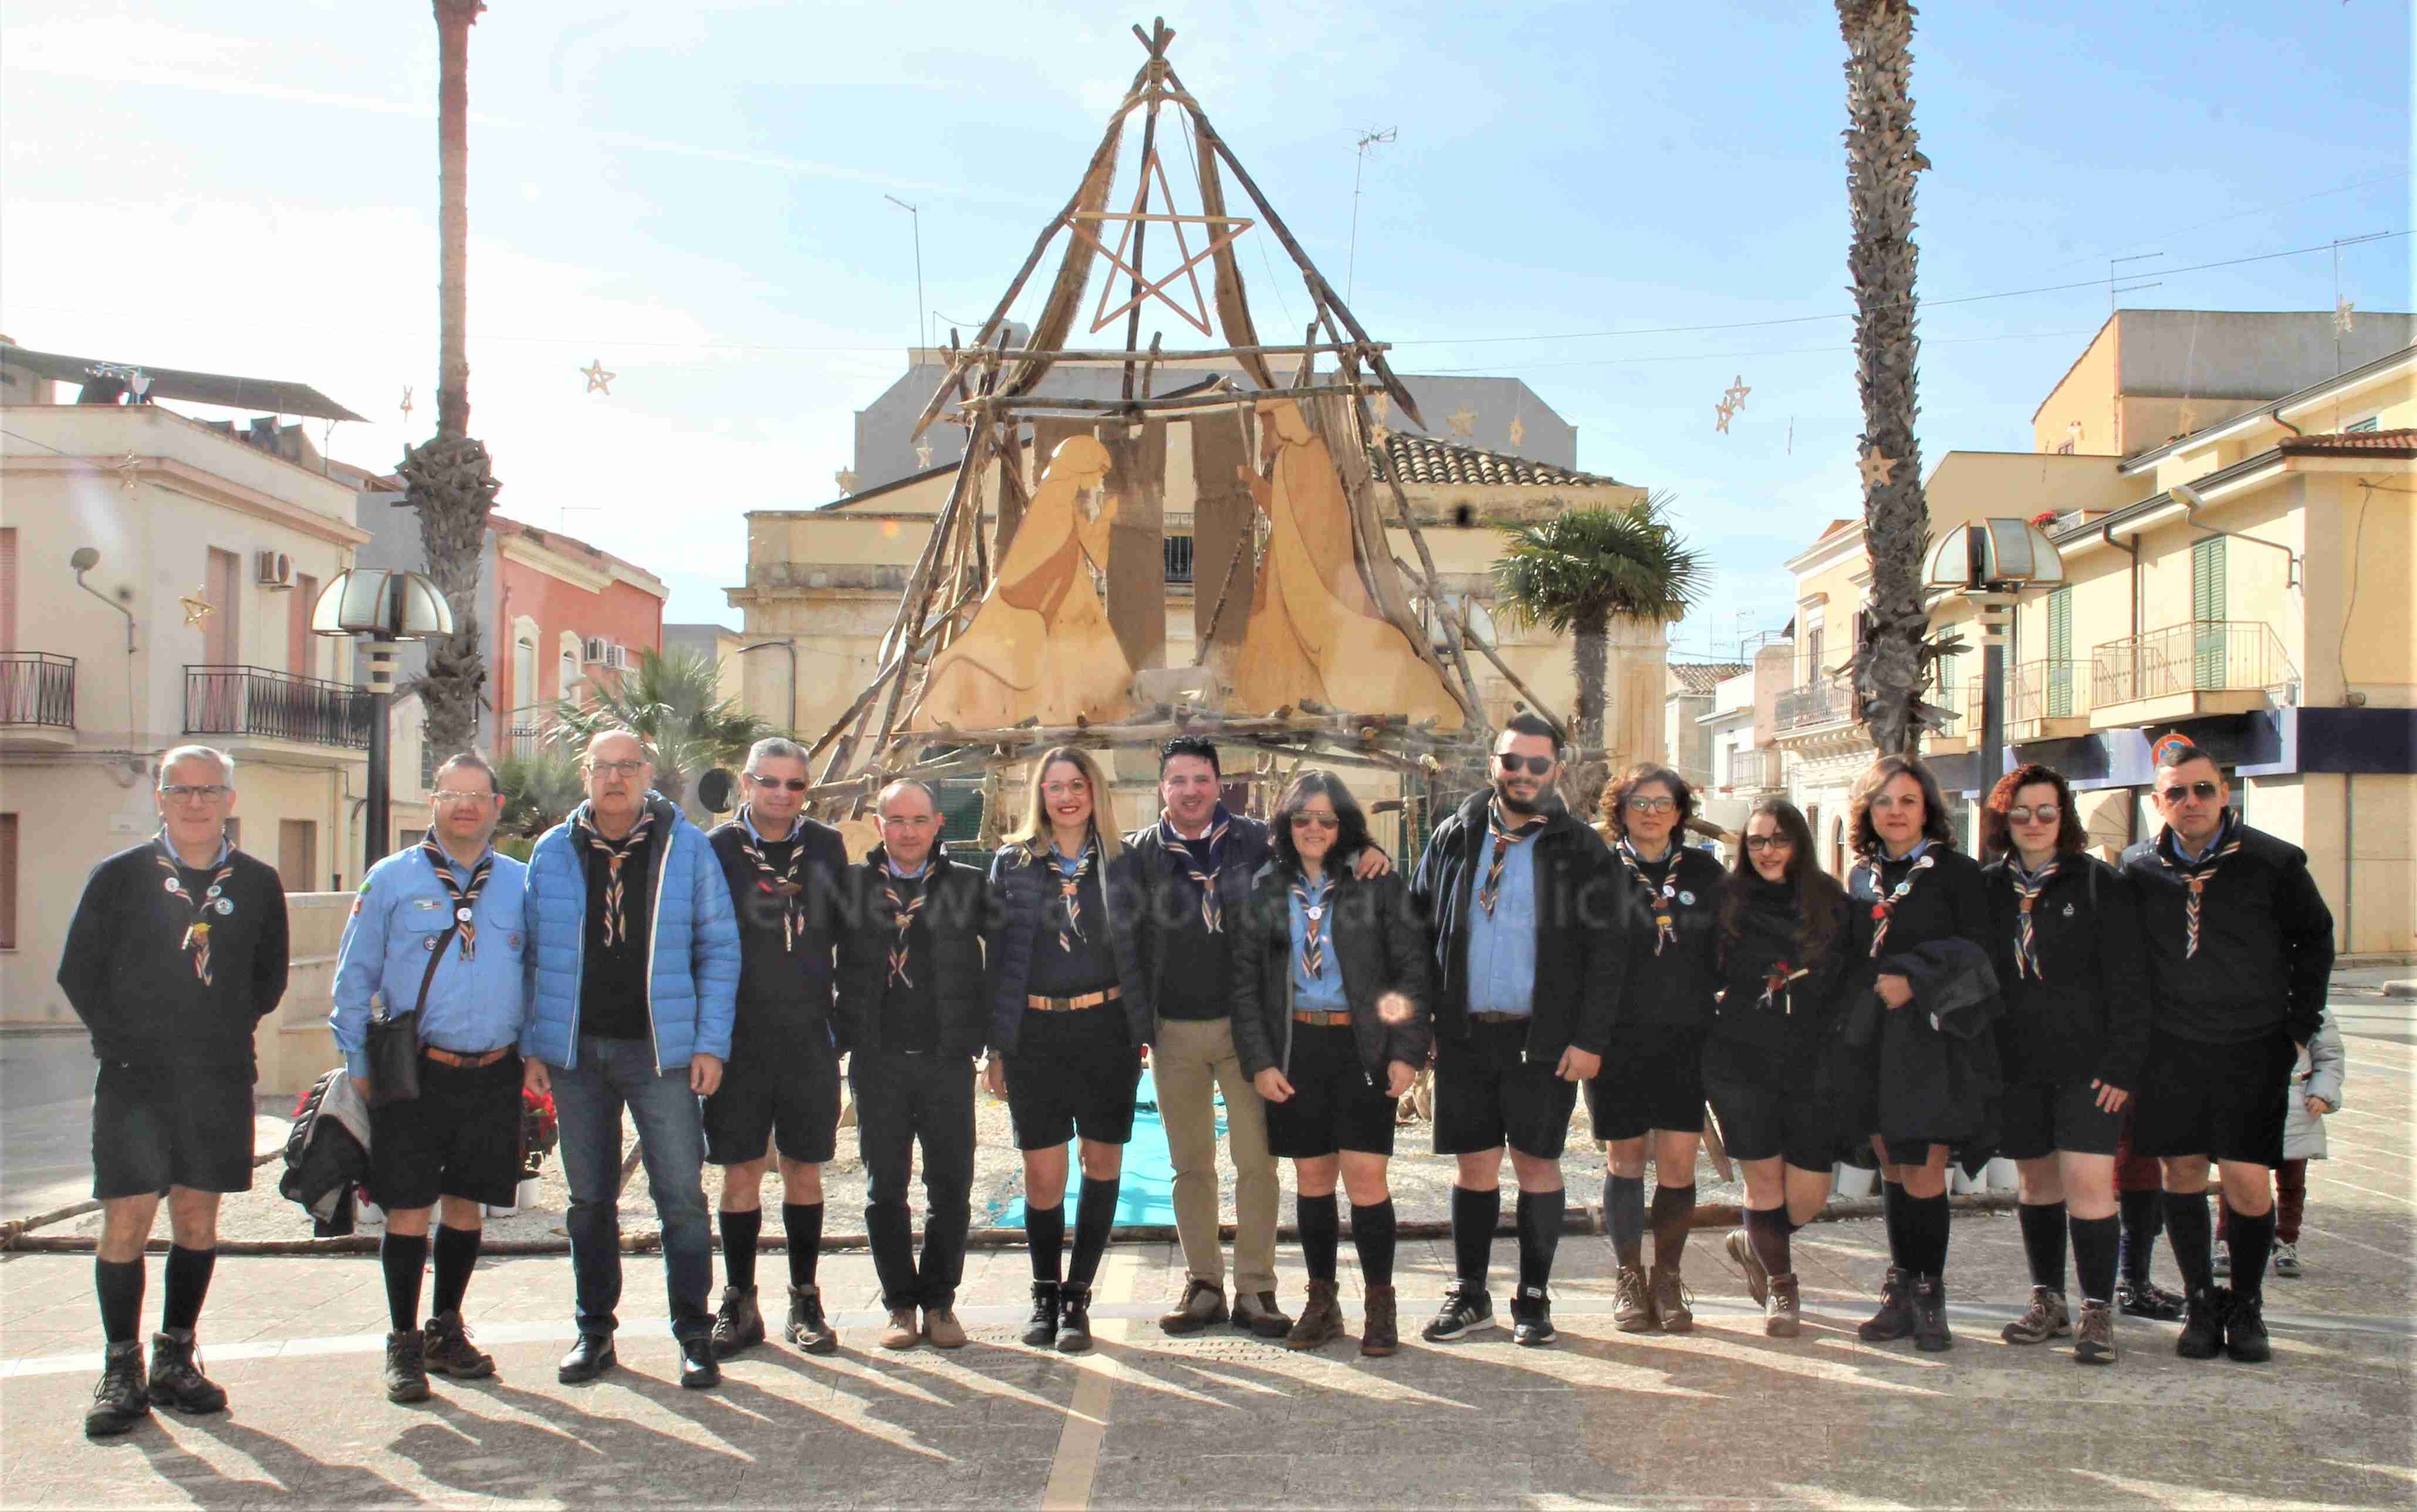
{"points": [[1516, 891], [637, 968], [780, 1089], [440, 928], [2240, 946], [176, 950]]}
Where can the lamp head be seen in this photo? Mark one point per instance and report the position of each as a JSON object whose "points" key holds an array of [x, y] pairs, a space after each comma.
{"points": [[84, 558]]}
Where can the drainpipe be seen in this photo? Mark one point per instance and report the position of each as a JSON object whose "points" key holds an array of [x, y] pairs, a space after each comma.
{"points": [[2191, 501], [2106, 533]]}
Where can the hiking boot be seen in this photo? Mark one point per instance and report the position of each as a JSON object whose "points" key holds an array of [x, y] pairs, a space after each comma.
{"points": [[1074, 1318], [901, 1332], [120, 1400], [2047, 1319], [176, 1379], [1204, 1303], [806, 1328], [2286, 1261], [1632, 1303], [1749, 1265], [1782, 1316], [738, 1323], [2244, 1331], [2093, 1338], [407, 1365], [1257, 1312], [446, 1347], [1930, 1333], [941, 1327], [1673, 1304], [1320, 1321], [1531, 1318], [2202, 1335], [1895, 1320], [1381, 1334], [2147, 1300], [1467, 1310], [1041, 1329]]}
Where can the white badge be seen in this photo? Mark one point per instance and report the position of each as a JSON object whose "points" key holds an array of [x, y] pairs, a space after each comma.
{"points": [[224, 906]]}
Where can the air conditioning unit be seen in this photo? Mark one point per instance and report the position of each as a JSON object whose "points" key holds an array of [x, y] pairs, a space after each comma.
{"points": [[593, 650], [616, 657], [272, 569]]}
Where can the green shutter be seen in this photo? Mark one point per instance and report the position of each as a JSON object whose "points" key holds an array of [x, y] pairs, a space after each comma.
{"points": [[2060, 653], [2207, 613]]}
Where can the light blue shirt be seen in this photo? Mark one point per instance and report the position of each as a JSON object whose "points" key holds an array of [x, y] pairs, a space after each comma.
{"points": [[1323, 992], [2183, 852], [474, 1005], [1503, 945]]}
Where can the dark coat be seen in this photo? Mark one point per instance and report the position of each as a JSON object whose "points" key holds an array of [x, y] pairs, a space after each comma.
{"points": [[1906, 1068], [2266, 941], [780, 988], [2085, 1016], [1675, 986], [1799, 1012], [1170, 900], [1021, 885], [129, 977], [1935, 1060], [955, 914], [1380, 945]]}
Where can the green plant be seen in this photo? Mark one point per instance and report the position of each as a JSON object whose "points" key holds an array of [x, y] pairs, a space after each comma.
{"points": [[540, 787], [673, 704]]}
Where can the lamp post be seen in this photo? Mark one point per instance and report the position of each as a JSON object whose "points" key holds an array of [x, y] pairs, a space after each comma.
{"points": [[389, 608], [1992, 563]]}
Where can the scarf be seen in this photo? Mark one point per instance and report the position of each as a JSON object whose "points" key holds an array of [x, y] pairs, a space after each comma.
{"points": [[2027, 891], [197, 933], [1886, 907], [902, 913], [1666, 927], [2194, 875], [1070, 893], [1503, 840], [1312, 943], [783, 882], [1212, 910], [465, 902], [616, 922]]}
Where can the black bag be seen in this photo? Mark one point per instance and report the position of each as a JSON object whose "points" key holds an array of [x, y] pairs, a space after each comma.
{"points": [[394, 1039]]}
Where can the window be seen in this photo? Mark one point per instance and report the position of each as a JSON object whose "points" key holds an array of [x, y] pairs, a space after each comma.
{"points": [[221, 645], [565, 676], [8, 882], [8, 588], [302, 647], [2373, 422], [297, 853], [525, 689], [2060, 653], [1179, 559], [1812, 657]]}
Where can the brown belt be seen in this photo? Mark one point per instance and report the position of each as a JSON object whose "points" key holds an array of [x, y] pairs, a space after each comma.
{"points": [[470, 1063], [1067, 1005], [1322, 1021], [1491, 1017]]}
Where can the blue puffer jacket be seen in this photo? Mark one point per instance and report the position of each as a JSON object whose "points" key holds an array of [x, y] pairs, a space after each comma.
{"points": [[691, 954]]}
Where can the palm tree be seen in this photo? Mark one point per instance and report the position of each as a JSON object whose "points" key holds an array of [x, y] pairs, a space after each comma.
{"points": [[540, 787], [448, 478], [1572, 572], [674, 702]]}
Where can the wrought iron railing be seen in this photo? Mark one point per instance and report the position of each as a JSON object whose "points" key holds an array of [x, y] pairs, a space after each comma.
{"points": [[2056, 689], [524, 730], [36, 688], [1753, 770], [2204, 656], [1814, 704], [275, 705]]}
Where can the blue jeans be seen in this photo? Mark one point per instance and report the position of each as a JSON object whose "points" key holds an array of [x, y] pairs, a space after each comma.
{"points": [[587, 1101]]}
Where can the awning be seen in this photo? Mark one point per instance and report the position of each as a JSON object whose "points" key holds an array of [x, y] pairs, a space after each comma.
{"points": [[259, 395]]}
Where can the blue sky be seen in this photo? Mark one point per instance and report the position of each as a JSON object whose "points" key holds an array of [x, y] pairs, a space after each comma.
{"points": [[693, 195]]}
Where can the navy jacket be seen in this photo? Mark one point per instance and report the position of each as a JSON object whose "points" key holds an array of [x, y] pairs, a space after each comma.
{"points": [[1022, 881], [2266, 941], [1380, 945]]}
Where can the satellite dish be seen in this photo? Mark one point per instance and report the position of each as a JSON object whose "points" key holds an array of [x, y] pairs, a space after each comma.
{"points": [[714, 791]]}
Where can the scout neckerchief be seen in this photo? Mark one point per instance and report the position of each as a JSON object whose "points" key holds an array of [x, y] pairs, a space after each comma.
{"points": [[1886, 907], [1664, 901], [1070, 892], [2027, 891], [465, 902], [197, 935], [616, 922], [782, 883], [1503, 840], [1313, 938], [903, 911], [1213, 912], [2195, 873]]}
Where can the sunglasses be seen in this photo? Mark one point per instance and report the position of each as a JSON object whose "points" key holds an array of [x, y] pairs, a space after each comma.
{"points": [[1317, 822], [1536, 765], [795, 784], [1768, 843], [2188, 790], [2045, 813]]}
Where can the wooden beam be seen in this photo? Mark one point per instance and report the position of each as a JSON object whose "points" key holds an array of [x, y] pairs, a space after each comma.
{"points": [[1027, 405], [1138, 541], [1221, 530], [977, 355]]}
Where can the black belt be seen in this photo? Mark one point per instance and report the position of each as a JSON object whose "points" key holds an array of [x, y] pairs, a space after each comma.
{"points": [[1491, 1015]]}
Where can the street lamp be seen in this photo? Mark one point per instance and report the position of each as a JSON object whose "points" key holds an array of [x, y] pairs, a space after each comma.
{"points": [[1992, 563], [389, 608]]}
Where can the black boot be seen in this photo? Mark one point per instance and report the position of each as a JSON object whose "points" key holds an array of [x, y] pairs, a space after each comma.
{"points": [[1930, 1333], [176, 1379], [738, 1324], [807, 1327], [407, 1365], [2244, 1330], [122, 1398], [588, 1358], [698, 1368], [1074, 1318], [1895, 1320], [1041, 1330], [2202, 1335]]}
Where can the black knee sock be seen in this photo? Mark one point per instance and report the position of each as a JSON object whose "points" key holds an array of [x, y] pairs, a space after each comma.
{"points": [[1095, 1213], [1766, 1230], [1320, 1232], [2142, 1215], [405, 1257], [1674, 1212], [1925, 1234], [1893, 1201], [1540, 1236], [739, 1231], [2093, 1257], [119, 1286], [1372, 1234], [456, 1251], [1044, 1234], [801, 1225], [2253, 1239], [187, 1283], [2043, 1226], [1623, 1214], [1473, 1218], [2187, 1229]]}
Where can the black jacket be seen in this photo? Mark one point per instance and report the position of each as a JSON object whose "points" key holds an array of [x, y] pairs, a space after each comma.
{"points": [[1903, 1071], [782, 989], [955, 914], [1675, 988], [1766, 945], [129, 977], [1021, 885], [2085, 1016], [1379, 944], [1577, 951], [1934, 1061], [1171, 900], [2266, 941]]}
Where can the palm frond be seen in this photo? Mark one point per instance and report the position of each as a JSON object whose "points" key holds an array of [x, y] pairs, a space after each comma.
{"points": [[1591, 562]]}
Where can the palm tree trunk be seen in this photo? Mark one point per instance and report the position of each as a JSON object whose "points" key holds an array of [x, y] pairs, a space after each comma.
{"points": [[1583, 777], [1882, 158]]}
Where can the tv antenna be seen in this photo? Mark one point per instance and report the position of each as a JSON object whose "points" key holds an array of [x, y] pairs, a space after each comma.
{"points": [[1371, 138], [922, 337]]}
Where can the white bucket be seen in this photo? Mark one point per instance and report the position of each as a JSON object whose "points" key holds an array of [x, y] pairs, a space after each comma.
{"points": [[1854, 1181]]}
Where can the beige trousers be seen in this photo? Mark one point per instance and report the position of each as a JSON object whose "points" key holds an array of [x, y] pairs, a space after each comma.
{"points": [[1193, 1060]]}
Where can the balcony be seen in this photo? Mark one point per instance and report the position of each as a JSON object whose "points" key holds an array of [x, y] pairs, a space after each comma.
{"points": [[37, 698], [2185, 672], [525, 731], [277, 713], [2048, 700], [1753, 770], [1815, 705]]}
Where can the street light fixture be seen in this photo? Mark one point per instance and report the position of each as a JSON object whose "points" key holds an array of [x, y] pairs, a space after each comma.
{"points": [[1992, 563], [389, 608]]}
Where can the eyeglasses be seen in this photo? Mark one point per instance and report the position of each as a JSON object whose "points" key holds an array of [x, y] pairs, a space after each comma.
{"points": [[449, 795], [795, 784], [617, 768], [1317, 822], [185, 792], [1652, 806], [2044, 813], [1065, 790], [1884, 802], [1768, 843], [1536, 765], [2174, 794]]}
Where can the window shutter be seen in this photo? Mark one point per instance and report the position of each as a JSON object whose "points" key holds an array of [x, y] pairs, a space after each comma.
{"points": [[8, 588], [2060, 653], [2207, 611]]}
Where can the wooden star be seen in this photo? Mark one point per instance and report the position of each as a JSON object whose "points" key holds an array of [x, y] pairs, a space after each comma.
{"points": [[1220, 231], [1735, 396], [128, 471], [406, 403], [1462, 421], [196, 607], [597, 378], [1875, 468], [1518, 431]]}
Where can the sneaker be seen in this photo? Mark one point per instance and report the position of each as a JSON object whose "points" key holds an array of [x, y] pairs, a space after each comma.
{"points": [[2093, 1339], [738, 1323], [2047, 1319], [121, 1399], [940, 1326], [1320, 1321], [1740, 1252], [2202, 1335], [1930, 1332], [1467, 1310], [2244, 1331], [1381, 1334], [447, 1348], [806, 1328], [407, 1365], [1256, 1312], [1204, 1303], [1041, 1329], [901, 1332], [1894, 1320], [2286, 1261], [1074, 1318], [1632, 1304], [1673, 1304], [2221, 1265], [176, 1379], [2146, 1300], [1782, 1316], [1531, 1318]]}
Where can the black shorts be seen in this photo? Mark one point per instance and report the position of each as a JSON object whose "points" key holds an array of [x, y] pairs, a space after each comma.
{"points": [[2036, 1119], [782, 1092], [2221, 1101], [1333, 1106], [1486, 1097], [1073, 1072], [1652, 1077], [461, 1137], [1770, 1103], [157, 1126]]}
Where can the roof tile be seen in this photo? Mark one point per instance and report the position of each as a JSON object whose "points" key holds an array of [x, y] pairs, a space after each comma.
{"points": [[1416, 458]]}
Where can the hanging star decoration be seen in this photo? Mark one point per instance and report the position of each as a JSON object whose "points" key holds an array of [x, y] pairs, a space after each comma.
{"points": [[922, 454], [197, 608], [2342, 311], [1462, 421], [1875, 468], [128, 471], [1518, 432], [1721, 413], [598, 377], [406, 403], [1732, 400]]}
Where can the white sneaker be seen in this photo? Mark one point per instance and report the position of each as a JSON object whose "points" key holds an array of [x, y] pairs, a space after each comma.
{"points": [[2286, 1261]]}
